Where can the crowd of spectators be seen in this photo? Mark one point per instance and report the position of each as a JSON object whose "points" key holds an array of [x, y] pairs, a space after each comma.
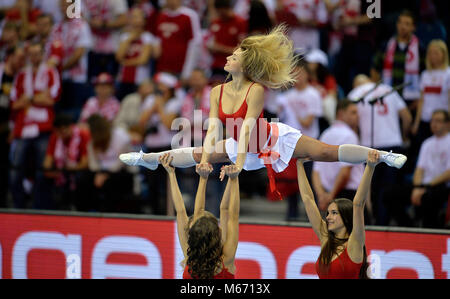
{"points": [[83, 81]]}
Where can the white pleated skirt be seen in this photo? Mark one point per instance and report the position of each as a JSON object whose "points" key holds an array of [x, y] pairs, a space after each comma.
{"points": [[286, 139]]}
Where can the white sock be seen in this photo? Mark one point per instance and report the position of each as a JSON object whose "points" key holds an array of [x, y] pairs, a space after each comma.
{"points": [[355, 154], [182, 157]]}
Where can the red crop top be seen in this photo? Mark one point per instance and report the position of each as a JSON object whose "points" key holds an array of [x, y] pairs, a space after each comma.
{"points": [[258, 137], [341, 268]]}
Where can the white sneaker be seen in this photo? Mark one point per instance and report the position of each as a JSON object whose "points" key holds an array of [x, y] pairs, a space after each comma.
{"points": [[393, 159], [135, 159]]}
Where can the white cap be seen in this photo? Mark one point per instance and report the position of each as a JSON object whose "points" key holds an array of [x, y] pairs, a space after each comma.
{"points": [[166, 79], [317, 56]]}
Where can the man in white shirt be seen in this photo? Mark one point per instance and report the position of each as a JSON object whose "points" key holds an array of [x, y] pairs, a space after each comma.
{"points": [[387, 114], [432, 175], [335, 180], [421, 202], [385, 134], [301, 106]]}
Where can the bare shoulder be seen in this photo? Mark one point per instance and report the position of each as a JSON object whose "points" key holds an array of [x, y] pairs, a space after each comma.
{"points": [[214, 94], [216, 89], [258, 87], [256, 93]]}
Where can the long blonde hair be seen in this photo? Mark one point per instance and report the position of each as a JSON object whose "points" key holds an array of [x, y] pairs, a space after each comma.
{"points": [[440, 44], [269, 59]]}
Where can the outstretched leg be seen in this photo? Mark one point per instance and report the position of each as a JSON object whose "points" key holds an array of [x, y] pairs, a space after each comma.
{"points": [[308, 147], [182, 157]]}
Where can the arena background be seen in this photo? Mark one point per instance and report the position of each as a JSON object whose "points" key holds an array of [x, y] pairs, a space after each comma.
{"points": [[40, 244]]}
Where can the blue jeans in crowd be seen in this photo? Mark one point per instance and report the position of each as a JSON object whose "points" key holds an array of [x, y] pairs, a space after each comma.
{"points": [[27, 157]]}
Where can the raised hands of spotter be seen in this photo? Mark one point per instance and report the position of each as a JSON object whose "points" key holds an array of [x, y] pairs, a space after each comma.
{"points": [[230, 170], [165, 161], [373, 158], [204, 169]]}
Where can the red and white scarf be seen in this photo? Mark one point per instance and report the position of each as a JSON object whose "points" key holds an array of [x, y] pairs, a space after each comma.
{"points": [[412, 67], [69, 154]]}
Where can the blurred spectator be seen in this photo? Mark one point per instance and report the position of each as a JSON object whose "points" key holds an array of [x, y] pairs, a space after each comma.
{"points": [[356, 44], [337, 180], [335, 11], [109, 183], [131, 106], [9, 40], [301, 106], [324, 81], [200, 7], [227, 31], [134, 54], [158, 114], [380, 128], [25, 15], [178, 29], [49, 7], [388, 112], [66, 156], [442, 9], [432, 175], [401, 60], [150, 13], [8, 70], [422, 203], [104, 103], [73, 38], [434, 87], [53, 48], [197, 99], [429, 26], [44, 28], [106, 18], [36, 89], [309, 16], [242, 7], [259, 18], [270, 104]]}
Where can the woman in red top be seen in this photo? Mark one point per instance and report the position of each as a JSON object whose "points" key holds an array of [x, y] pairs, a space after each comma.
{"points": [[209, 248], [260, 61], [342, 236]]}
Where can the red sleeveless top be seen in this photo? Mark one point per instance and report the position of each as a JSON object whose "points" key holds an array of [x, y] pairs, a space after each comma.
{"points": [[260, 133], [224, 274], [258, 137], [341, 268]]}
